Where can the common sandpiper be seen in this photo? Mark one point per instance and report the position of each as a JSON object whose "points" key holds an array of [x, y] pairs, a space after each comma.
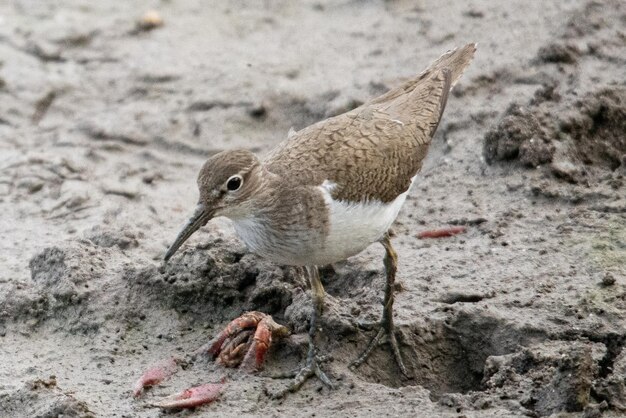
{"points": [[330, 190]]}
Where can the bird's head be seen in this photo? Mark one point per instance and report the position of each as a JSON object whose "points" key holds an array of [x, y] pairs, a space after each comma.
{"points": [[226, 181]]}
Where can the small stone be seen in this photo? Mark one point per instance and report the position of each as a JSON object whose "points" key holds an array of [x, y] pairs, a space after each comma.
{"points": [[120, 190], [150, 20], [592, 411], [45, 51], [150, 178], [258, 111], [565, 170], [608, 280], [559, 53], [474, 14]]}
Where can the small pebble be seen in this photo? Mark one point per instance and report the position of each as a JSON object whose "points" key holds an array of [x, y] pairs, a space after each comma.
{"points": [[608, 280], [150, 20]]}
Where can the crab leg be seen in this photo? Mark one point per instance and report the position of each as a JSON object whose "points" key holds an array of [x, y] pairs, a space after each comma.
{"points": [[260, 344], [233, 347], [192, 397], [155, 375], [247, 320], [441, 233]]}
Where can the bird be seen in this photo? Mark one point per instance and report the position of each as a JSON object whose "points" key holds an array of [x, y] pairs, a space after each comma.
{"points": [[328, 191]]}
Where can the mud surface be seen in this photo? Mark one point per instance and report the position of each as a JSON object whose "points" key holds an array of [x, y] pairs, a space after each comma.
{"points": [[105, 122]]}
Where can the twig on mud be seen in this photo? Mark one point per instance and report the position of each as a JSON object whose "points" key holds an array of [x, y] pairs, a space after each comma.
{"points": [[70, 212], [129, 194], [42, 105], [101, 134], [465, 221]]}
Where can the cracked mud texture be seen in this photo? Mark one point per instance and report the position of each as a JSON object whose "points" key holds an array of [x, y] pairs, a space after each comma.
{"points": [[104, 123]]}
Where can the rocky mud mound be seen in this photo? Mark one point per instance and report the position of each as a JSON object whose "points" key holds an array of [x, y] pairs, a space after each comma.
{"points": [[217, 281], [573, 135], [570, 133], [44, 399], [573, 127]]}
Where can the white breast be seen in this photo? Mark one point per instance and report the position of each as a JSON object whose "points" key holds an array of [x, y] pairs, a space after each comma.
{"points": [[354, 226]]}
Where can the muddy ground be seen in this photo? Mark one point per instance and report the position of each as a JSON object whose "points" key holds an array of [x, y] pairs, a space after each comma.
{"points": [[104, 125]]}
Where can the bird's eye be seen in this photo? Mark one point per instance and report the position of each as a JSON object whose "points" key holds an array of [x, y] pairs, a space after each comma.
{"points": [[234, 183]]}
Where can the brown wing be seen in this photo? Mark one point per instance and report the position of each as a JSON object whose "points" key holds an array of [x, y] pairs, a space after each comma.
{"points": [[372, 152]]}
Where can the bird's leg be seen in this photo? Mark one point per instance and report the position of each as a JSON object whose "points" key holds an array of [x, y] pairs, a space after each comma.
{"points": [[312, 368], [386, 324]]}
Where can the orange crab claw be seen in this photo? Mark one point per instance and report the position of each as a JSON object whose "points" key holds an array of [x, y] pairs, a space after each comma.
{"points": [[261, 342], [192, 397], [155, 375]]}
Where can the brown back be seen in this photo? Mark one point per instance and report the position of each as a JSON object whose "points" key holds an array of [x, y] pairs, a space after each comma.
{"points": [[373, 151]]}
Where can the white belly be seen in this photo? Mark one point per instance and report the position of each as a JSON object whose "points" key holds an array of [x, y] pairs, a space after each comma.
{"points": [[354, 226]]}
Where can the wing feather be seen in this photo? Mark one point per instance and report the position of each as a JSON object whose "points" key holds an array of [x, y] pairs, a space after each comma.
{"points": [[373, 151]]}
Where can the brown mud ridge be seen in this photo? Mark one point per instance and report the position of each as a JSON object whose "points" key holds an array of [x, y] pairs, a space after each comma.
{"points": [[104, 125]]}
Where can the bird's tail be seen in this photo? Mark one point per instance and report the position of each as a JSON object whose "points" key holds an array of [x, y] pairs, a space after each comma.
{"points": [[454, 61]]}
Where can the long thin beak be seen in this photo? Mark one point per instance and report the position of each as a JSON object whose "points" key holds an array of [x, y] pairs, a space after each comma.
{"points": [[199, 218]]}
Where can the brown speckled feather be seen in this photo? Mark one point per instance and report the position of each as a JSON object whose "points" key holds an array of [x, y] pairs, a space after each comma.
{"points": [[373, 151]]}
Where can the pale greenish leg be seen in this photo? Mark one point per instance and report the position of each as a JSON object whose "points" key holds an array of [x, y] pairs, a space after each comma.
{"points": [[386, 323]]}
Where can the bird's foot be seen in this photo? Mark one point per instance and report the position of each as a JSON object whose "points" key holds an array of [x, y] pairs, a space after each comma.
{"points": [[310, 369], [384, 329]]}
